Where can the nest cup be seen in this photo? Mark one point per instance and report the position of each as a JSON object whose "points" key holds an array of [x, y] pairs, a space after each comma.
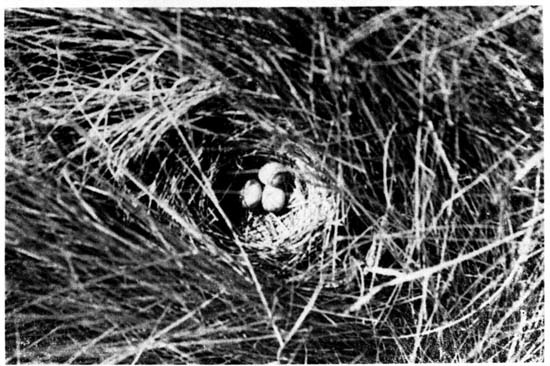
{"points": [[311, 202], [292, 232], [310, 205]]}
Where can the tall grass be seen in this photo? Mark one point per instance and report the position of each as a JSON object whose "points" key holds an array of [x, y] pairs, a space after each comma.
{"points": [[414, 134]]}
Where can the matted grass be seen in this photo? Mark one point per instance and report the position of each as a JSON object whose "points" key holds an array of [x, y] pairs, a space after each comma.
{"points": [[414, 231]]}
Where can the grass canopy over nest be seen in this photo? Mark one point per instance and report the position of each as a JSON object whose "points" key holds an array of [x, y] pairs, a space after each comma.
{"points": [[414, 225]]}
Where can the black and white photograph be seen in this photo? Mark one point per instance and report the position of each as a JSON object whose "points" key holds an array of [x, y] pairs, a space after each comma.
{"points": [[273, 185]]}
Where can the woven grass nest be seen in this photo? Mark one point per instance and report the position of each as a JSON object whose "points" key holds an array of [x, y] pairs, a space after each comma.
{"points": [[413, 230], [313, 203], [311, 206]]}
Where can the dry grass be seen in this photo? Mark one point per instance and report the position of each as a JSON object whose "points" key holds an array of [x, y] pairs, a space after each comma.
{"points": [[415, 230]]}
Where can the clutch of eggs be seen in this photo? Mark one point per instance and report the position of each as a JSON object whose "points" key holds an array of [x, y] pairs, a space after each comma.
{"points": [[273, 176]]}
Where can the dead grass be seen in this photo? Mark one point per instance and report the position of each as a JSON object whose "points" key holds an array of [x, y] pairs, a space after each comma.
{"points": [[415, 232]]}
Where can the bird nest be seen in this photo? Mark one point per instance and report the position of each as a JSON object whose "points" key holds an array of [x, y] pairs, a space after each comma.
{"points": [[202, 182], [311, 205]]}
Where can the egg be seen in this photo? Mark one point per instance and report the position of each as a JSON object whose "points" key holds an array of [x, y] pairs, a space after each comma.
{"points": [[251, 194], [273, 199], [272, 173]]}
